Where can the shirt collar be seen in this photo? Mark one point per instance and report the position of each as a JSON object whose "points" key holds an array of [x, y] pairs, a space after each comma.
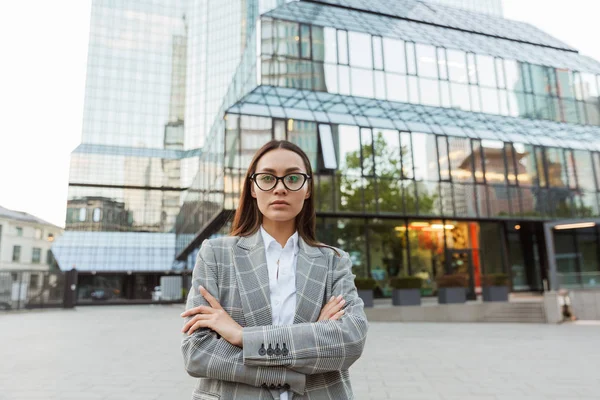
{"points": [[268, 239]]}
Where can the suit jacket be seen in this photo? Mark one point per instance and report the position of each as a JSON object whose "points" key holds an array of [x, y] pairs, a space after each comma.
{"points": [[309, 358]]}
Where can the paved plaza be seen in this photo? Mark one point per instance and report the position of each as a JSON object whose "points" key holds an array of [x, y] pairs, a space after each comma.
{"points": [[132, 353]]}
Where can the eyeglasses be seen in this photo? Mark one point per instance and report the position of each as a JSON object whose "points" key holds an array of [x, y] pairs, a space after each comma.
{"points": [[292, 182]]}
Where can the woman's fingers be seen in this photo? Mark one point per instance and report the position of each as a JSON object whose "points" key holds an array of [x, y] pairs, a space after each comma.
{"points": [[210, 298], [337, 315], [195, 323], [332, 307], [201, 323], [336, 307], [197, 310]]}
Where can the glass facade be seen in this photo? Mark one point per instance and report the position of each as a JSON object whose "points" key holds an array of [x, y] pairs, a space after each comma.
{"points": [[386, 68], [435, 150], [491, 7], [440, 138], [133, 166]]}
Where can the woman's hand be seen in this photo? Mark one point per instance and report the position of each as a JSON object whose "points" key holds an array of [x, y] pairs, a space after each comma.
{"points": [[215, 318], [332, 311]]}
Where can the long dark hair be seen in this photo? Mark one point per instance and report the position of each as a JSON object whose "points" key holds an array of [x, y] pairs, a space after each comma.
{"points": [[248, 217]]}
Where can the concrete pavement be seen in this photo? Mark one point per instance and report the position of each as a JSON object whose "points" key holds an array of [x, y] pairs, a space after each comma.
{"points": [[132, 352]]}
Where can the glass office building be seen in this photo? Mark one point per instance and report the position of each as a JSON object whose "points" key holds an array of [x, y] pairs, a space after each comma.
{"points": [[441, 139]]}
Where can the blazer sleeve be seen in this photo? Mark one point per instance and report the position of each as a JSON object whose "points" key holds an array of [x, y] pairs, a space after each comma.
{"points": [[314, 347], [207, 356]]}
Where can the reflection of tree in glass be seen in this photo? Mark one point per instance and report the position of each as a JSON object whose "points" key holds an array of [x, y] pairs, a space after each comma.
{"points": [[389, 189]]}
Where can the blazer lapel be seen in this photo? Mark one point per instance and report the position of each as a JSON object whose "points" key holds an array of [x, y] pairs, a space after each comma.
{"points": [[252, 276], [311, 277]]}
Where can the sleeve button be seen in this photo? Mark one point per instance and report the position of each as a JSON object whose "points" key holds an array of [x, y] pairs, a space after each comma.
{"points": [[262, 350]]}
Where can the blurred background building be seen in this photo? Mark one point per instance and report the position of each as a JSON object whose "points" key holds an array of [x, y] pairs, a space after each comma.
{"points": [[25, 254], [441, 138]]}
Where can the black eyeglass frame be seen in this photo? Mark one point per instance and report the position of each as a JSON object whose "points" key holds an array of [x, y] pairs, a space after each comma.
{"points": [[280, 178]]}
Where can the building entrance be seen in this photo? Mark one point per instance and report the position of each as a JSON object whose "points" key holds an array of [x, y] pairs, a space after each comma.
{"points": [[460, 261]]}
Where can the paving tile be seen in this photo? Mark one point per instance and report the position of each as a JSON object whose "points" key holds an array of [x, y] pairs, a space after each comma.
{"points": [[133, 352]]}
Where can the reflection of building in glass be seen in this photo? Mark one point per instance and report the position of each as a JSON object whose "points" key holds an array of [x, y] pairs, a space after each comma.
{"points": [[127, 176], [439, 140]]}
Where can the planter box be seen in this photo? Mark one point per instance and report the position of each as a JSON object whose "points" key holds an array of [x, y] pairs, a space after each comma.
{"points": [[406, 297], [495, 293], [452, 295], [367, 297]]}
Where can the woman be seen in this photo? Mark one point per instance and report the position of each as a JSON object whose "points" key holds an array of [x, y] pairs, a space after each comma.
{"points": [[272, 313]]}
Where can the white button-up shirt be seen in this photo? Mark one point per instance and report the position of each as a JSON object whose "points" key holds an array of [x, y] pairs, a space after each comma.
{"points": [[281, 263]]}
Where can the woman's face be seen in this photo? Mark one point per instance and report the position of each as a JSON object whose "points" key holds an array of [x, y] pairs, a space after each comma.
{"points": [[280, 204]]}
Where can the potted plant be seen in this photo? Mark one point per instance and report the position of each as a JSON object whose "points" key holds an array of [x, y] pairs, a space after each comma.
{"points": [[452, 288], [407, 290], [365, 287], [495, 287]]}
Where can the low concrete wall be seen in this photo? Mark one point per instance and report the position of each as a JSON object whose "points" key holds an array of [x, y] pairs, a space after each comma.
{"points": [[532, 312], [585, 304]]}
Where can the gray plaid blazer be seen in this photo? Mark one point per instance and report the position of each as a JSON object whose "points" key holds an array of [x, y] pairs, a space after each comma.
{"points": [[309, 358]]}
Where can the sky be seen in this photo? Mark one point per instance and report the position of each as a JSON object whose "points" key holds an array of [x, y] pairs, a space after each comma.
{"points": [[42, 87]]}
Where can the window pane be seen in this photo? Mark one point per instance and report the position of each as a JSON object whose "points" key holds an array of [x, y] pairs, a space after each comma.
{"points": [[510, 164], [344, 79], [461, 159], [500, 78], [460, 96], [366, 141], [411, 60], [565, 83], [413, 89], [585, 172], [305, 41], [360, 50], [526, 168], [430, 93], [380, 92], [557, 174], [349, 148], [493, 153], [387, 153], [489, 100], [443, 157], [330, 39], [96, 215], [377, 52], [331, 78], [475, 101], [394, 55], [362, 82], [82, 214], [397, 88], [427, 62], [16, 253], [304, 134], [442, 63], [540, 78], [486, 71], [287, 38], [342, 47], [514, 79], [318, 43], [457, 66], [426, 164], [327, 147], [407, 155], [472, 68]]}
